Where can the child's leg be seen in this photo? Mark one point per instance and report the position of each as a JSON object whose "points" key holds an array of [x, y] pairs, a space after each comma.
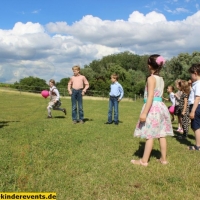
{"points": [[57, 105], [179, 122], [163, 148], [49, 107], [147, 150], [197, 136], [74, 105], [49, 110], [80, 105], [185, 125], [172, 117], [116, 111], [146, 154], [110, 110]]}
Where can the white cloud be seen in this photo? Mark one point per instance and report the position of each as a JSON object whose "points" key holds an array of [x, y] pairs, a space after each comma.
{"points": [[177, 10], [36, 11], [150, 18], [50, 51]]}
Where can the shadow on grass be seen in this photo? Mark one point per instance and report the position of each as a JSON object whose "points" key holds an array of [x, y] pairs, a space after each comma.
{"points": [[139, 153], [5, 123], [183, 141], [59, 117], [87, 119]]}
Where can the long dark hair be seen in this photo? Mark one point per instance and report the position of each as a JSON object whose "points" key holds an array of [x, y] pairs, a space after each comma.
{"points": [[154, 64]]}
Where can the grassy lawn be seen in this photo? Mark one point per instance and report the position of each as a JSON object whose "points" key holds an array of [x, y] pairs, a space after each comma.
{"points": [[91, 160]]}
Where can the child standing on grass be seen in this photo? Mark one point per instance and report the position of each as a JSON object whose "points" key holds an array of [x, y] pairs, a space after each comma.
{"points": [[184, 108], [77, 87], [154, 119], [194, 104], [55, 102], [170, 90], [177, 110], [116, 95]]}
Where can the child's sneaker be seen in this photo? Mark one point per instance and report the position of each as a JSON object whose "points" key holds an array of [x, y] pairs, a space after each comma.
{"points": [[181, 130], [64, 110]]}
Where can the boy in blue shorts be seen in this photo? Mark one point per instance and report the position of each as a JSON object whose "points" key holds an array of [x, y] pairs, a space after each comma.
{"points": [[194, 103]]}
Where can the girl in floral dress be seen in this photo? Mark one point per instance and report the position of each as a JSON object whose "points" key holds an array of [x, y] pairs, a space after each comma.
{"points": [[154, 119]]}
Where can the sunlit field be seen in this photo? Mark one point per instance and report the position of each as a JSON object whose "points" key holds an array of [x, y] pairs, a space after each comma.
{"points": [[91, 160]]}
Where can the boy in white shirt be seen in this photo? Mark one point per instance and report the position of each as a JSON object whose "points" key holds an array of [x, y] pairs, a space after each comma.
{"points": [[55, 102], [194, 103]]}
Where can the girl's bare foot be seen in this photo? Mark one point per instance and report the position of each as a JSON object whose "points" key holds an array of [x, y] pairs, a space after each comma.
{"points": [[139, 162]]}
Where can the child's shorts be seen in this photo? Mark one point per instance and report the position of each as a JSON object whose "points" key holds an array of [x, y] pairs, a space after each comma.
{"points": [[55, 105], [171, 109], [177, 110], [195, 123]]}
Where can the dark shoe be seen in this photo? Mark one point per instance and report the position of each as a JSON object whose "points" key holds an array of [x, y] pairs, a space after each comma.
{"points": [[74, 122], [108, 123], [81, 122], [116, 123], [49, 116], [195, 147], [64, 110]]}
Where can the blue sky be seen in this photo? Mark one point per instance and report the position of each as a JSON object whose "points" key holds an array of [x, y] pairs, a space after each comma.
{"points": [[44, 11], [44, 38]]}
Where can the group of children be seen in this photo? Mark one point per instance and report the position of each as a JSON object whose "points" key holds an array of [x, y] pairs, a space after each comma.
{"points": [[180, 106], [154, 121], [77, 87]]}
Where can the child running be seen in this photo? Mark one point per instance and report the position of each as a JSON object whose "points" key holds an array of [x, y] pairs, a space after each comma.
{"points": [[55, 102], [154, 119]]}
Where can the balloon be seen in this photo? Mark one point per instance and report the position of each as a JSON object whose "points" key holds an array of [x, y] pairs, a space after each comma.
{"points": [[171, 109], [45, 93]]}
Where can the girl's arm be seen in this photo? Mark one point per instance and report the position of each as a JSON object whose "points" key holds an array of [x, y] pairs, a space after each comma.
{"points": [[185, 106], [194, 107], [151, 83], [165, 98], [177, 96]]}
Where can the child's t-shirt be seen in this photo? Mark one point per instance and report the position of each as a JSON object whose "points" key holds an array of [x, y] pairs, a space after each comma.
{"points": [[177, 99], [53, 90], [172, 98], [195, 91]]}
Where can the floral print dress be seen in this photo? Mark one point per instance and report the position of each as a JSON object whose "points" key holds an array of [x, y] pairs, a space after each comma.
{"points": [[158, 121]]}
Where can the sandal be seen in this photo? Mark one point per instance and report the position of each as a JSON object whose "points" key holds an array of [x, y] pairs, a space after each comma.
{"points": [[163, 162], [140, 163], [195, 147]]}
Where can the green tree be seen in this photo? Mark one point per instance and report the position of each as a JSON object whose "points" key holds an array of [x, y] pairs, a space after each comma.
{"points": [[31, 84], [63, 83]]}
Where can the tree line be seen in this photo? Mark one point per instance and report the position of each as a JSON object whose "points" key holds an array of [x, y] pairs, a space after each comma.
{"points": [[131, 68]]}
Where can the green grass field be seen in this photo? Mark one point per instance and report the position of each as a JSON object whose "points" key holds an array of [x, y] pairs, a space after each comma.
{"points": [[91, 160]]}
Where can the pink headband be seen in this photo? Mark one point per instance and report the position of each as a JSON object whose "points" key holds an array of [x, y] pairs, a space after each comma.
{"points": [[160, 60]]}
